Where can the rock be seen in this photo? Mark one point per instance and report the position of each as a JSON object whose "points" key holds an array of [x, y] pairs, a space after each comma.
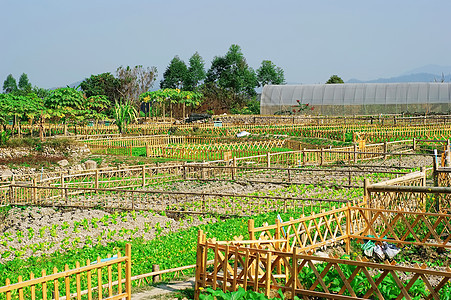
{"points": [[63, 162], [6, 174], [77, 168], [90, 165]]}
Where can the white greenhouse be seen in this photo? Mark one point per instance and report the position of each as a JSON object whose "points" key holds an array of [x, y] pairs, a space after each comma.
{"points": [[358, 98]]}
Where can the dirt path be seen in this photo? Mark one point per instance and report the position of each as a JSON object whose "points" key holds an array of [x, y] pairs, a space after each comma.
{"points": [[161, 291]]}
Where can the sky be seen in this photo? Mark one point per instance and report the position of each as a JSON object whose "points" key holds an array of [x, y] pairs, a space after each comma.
{"points": [[57, 43]]}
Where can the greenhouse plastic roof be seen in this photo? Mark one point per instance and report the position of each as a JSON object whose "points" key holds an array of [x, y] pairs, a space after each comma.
{"points": [[357, 94]]}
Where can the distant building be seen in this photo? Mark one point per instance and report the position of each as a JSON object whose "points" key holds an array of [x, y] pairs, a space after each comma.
{"points": [[358, 98]]}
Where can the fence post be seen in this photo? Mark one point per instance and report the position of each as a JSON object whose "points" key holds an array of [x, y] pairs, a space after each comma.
{"points": [[155, 278], [147, 150], [143, 176], [250, 229], [128, 271], [366, 183], [294, 273], [355, 153], [386, 149], [268, 274], [96, 179], [268, 160], [321, 157], [62, 185], [234, 168], [184, 171], [348, 228], [303, 157], [35, 198], [414, 144]]}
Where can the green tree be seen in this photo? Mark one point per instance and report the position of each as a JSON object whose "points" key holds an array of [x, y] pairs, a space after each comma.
{"points": [[175, 75], [19, 107], [196, 72], [231, 72], [65, 104], [10, 84], [269, 73], [24, 84], [135, 81], [102, 84], [124, 114], [334, 79]]}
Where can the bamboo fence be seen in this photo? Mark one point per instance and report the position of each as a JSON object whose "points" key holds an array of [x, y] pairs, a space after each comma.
{"points": [[160, 200], [243, 264], [343, 155], [371, 131], [109, 278]]}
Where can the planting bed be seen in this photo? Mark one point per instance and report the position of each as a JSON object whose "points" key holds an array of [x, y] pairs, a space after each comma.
{"points": [[37, 231]]}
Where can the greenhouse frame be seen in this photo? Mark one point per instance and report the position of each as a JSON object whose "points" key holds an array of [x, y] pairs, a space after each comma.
{"points": [[357, 99]]}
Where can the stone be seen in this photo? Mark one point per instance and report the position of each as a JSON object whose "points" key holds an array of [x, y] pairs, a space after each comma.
{"points": [[63, 162], [90, 165], [6, 174]]}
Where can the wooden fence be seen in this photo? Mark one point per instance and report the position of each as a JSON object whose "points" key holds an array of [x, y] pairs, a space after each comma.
{"points": [[343, 155], [392, 134], [243, 264], [266, 261], [108, 278], [160, 200]]}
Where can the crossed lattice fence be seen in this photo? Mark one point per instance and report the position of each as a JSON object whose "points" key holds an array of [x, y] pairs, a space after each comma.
{"points": [[242, 264], [277, 256]]}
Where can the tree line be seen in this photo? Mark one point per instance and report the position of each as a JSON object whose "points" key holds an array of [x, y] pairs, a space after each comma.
{"points": [[229, 84]]}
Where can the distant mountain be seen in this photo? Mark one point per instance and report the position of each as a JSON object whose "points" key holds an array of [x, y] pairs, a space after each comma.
{"points": [[431, 69], [428, 73], [419, 77]]}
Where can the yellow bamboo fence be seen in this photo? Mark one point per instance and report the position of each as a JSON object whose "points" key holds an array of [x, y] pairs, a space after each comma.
{"points": [[160, 200], [352, 154], [279, 258], [267, 270], [108, 278]]}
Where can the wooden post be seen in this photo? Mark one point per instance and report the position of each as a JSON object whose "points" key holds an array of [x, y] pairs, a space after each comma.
{"points": [[96, 179], [35, 198], [200, 266], [62, 185], [268, 274], [385, 149], [294, 273], [128, 271], [434, 169], [414, 142], [184, 171], [277, 235], [303, 157], [250, 229], [355, 153], [268, 160], [155, 278], [143, 170], [348, 228], [233, 168], [321, 157], [147, 150]]}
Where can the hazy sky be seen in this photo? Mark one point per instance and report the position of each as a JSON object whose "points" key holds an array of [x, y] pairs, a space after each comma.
{"points": [[60, 42]]}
